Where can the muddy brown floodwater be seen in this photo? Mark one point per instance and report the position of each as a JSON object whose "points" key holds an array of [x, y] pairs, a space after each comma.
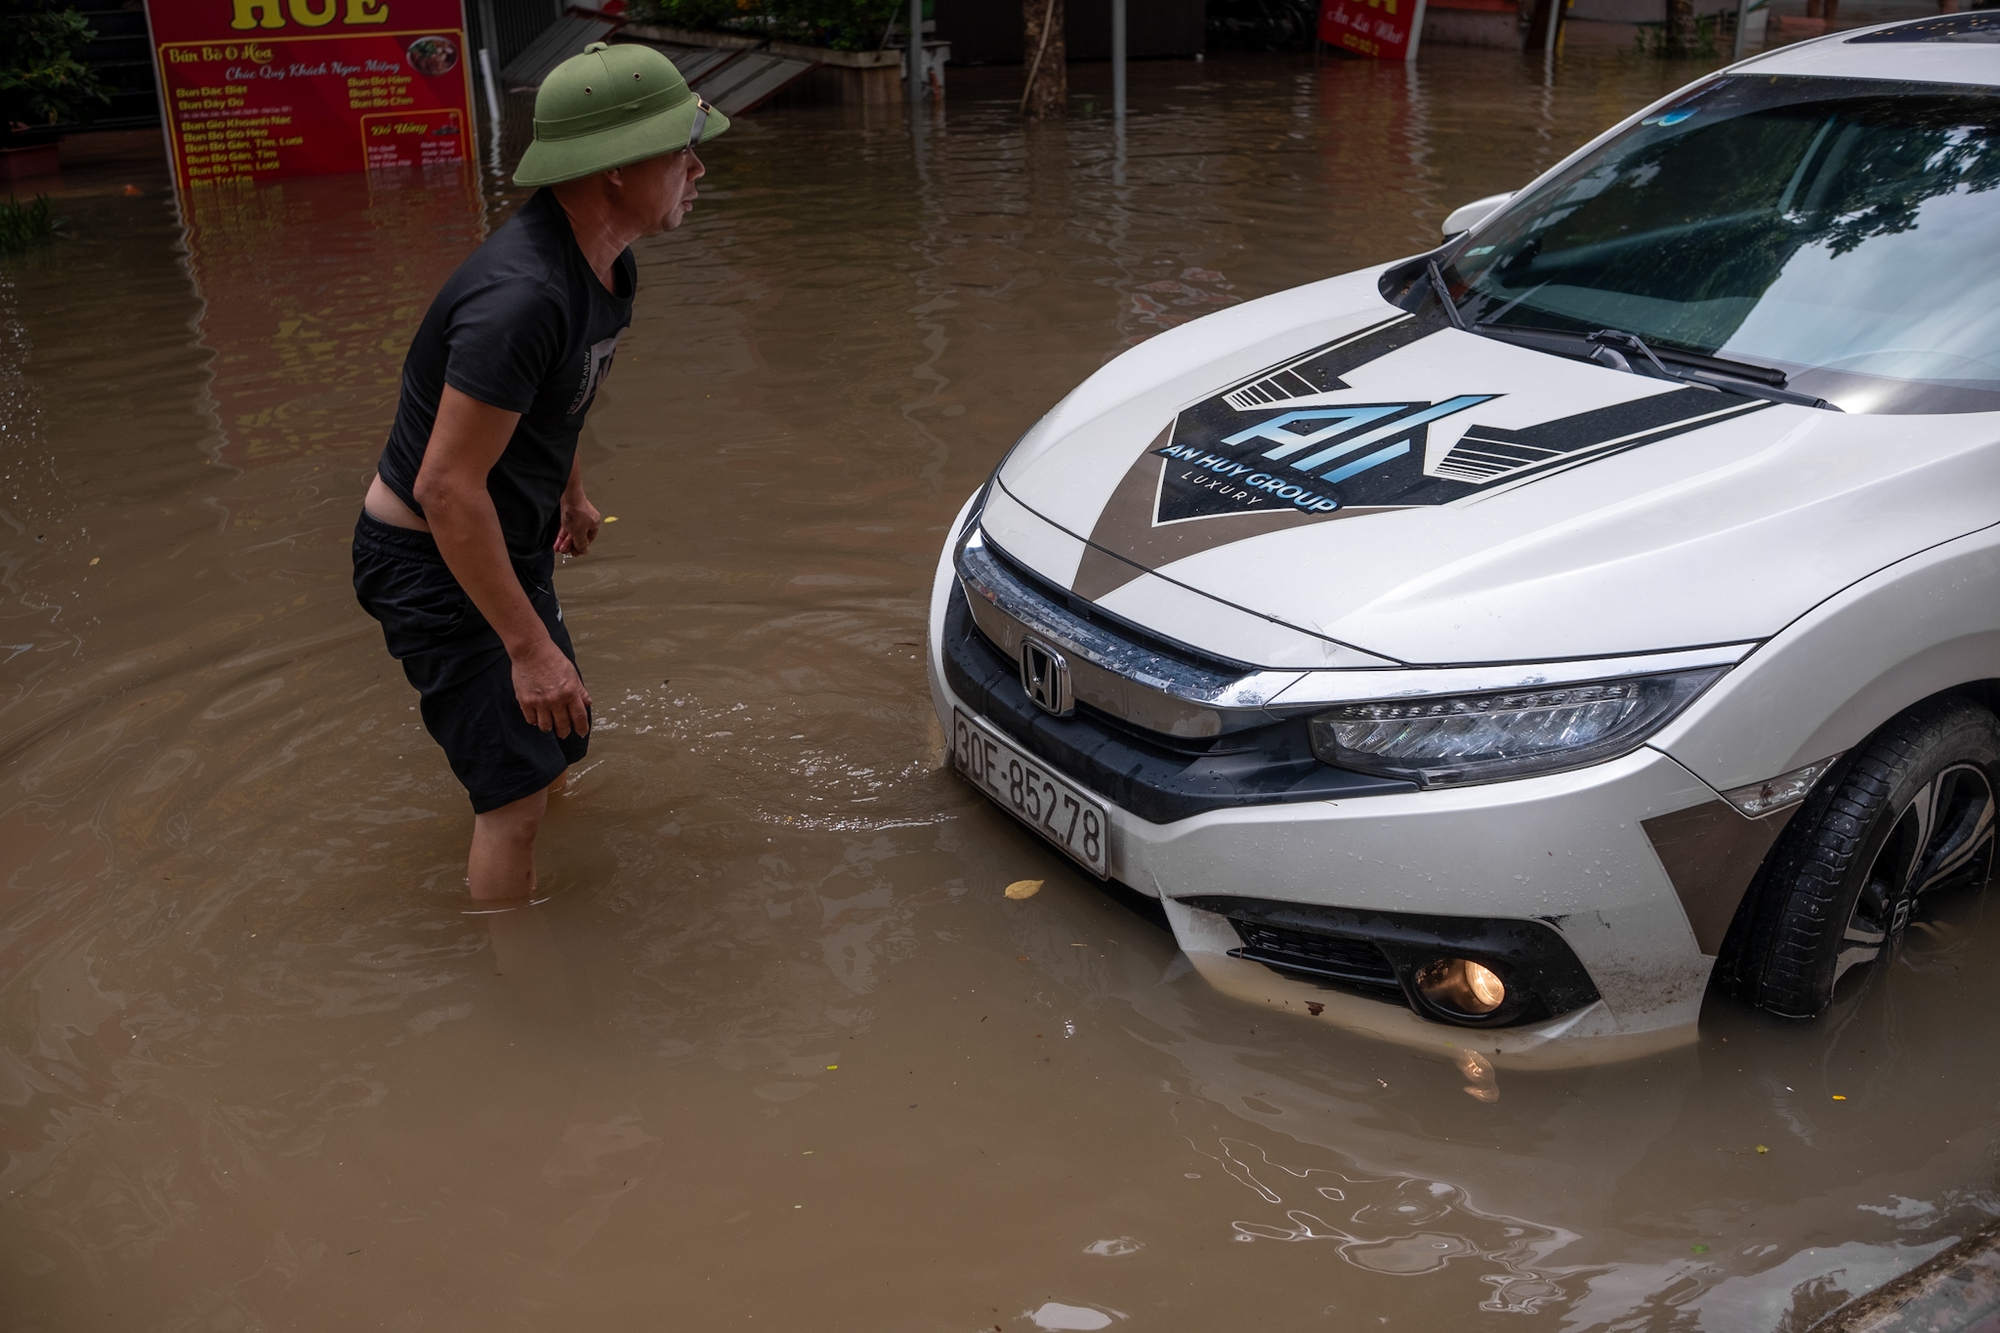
{"points": [[778, 1054]]}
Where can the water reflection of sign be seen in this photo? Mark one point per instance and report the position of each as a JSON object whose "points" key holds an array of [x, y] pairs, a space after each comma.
{"points": [[262, 89], [1378, 29], [309, 296]]}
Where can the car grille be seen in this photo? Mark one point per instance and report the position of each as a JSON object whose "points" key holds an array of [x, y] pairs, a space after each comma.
{"points": [[1356, 962], [1157, 777], [1117, 667]]}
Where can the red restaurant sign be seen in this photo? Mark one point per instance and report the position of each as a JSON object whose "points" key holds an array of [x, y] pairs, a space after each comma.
{"points": [[1378, 29], [262, 89]]}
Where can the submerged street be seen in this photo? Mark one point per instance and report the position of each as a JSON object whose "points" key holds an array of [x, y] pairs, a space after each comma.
{"points": [[778, 1051]]}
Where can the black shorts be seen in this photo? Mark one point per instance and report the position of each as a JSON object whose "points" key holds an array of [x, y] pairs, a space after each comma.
{"points": [[458, 664]]}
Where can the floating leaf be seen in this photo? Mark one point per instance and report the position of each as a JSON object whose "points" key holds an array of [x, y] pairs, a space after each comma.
{"points": [[1024, 888], [1762, 1148], [1698, 1249]]}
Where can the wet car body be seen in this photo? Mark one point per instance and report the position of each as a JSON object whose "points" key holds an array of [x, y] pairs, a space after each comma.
{"points": [[1196, 593]]}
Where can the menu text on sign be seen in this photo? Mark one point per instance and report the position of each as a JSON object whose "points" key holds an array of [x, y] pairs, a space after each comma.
{"points": [[1378, 29], [263, 89]]}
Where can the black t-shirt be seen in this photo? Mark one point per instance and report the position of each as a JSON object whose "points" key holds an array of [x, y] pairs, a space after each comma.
{"points": [[524, 325]]}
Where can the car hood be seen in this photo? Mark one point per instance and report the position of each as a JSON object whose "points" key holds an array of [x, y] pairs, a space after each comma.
{"points": [[1322, 467]]}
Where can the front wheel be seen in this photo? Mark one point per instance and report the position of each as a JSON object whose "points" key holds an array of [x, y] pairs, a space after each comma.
{"points": [[1910, 812]]}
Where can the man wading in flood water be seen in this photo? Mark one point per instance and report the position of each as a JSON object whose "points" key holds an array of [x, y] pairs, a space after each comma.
{"points": [[480, 487]]}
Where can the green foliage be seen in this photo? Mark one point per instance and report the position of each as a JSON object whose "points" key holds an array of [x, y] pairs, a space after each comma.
{"points": [[24, 225], [845, 25], [41, 79], [708, 15]]}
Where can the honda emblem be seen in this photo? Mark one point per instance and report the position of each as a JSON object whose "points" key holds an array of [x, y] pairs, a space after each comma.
{"points": [[1045, 676]]}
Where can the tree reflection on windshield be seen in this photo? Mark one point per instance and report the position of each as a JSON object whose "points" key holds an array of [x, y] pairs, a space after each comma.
{"points": [[1838, 230]]}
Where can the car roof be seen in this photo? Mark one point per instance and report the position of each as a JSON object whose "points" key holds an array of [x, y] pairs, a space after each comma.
{"points": [[1950, 48]]}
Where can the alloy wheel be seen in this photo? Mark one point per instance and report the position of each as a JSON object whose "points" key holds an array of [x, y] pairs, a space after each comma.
{"points": [[1942, 838]]}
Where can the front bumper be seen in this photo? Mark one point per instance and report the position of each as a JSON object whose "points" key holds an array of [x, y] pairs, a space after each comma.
{"points": [[1563, 853]]}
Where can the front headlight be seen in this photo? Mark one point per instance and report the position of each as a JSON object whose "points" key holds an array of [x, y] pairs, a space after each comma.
{"points": [[1443, 742]]}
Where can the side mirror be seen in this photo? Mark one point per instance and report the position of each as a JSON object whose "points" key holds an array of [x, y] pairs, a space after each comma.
{"points": [[1474, 213]]}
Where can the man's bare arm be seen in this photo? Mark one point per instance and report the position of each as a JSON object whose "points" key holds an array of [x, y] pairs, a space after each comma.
{"points": [[465, 443], [579, 516]]}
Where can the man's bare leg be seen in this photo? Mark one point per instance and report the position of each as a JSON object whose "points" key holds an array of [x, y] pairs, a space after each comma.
{"points": [[502, 863]]}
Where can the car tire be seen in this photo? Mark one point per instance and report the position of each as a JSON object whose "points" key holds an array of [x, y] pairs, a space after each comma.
{"points": [[1910, 811]]}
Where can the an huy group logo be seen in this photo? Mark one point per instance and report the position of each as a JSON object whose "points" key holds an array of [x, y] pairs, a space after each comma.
{"points": [[1295, 458]]}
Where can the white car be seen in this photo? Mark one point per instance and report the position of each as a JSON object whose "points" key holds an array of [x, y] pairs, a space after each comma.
{"points": [[1493, 649]]}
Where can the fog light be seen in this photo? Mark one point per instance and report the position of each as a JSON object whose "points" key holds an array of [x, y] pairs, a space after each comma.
{"points": [[1461, 986]]}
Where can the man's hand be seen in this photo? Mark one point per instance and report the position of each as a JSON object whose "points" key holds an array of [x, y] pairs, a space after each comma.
{"points": [[466, 442], [550, 692], [579, 524]]}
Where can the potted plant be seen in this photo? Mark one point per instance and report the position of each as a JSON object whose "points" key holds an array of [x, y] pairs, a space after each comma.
{"points": [[839, 25], [42, 81], [850, 50]]}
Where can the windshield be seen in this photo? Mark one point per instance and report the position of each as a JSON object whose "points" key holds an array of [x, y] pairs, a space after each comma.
{"points": [[1845, 232]]}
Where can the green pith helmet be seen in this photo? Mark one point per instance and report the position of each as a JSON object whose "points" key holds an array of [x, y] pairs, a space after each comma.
{"points": [[609, 107]]}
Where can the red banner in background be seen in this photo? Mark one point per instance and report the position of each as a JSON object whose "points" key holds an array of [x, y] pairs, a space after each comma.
{"points": [[263, 89], [1378, 29]]}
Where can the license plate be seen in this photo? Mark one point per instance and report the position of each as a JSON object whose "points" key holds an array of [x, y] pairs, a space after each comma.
{"points": [[1051, 805]]}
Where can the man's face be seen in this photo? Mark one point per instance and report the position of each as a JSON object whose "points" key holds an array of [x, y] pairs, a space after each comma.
{"points": [[654, 195]]}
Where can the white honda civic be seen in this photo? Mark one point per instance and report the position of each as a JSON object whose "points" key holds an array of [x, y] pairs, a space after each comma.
{"points": [[1499, 647]]}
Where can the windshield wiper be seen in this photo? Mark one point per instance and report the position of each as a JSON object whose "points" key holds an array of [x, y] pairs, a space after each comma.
{"points": [[1443, 294], [1740, 377], [1617, 343], [1618, 350], [1720, 367]]}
